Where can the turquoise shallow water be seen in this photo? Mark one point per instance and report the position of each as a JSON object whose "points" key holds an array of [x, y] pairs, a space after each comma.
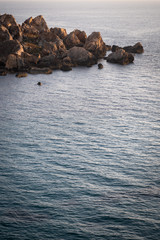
{"points": [[79, 156]]}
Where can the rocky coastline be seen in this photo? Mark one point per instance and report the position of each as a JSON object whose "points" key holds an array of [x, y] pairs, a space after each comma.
{"points": [[34, 48]]}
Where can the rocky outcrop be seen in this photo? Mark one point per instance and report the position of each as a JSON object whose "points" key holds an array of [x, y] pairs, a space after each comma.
{"points": [[120, 57], [80, 56], [95, 45], [35, 48]]}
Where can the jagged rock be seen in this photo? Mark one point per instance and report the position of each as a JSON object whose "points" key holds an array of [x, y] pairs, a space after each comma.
{"points": [[120, 57], [36, 70], [4, 34], [21, 75], [80, 56], [100, 66], [95, 45], [37, 23], [10, 47], [60, 32], [137, 48]]}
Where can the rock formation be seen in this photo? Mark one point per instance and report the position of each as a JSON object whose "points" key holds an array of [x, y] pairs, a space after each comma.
{"points": [[34, 48]]}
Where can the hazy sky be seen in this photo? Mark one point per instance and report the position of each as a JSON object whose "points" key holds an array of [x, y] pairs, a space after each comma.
{"points": [[81, 0]]}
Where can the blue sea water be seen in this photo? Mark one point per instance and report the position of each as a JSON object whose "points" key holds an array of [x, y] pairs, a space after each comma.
{"points": [[80, 155]]}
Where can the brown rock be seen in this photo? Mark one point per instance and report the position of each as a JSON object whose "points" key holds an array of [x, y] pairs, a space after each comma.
{"points": [[95, 45], [115, 48], [82, 36], [80, 56], [10, 47], [50, 61], [4, 34], [120, 57], [35, 70], [21, 75], [137, 48], [60, 32], [29, 59], [37, 23], [72, 40], [7, 20], [100, 66], [14, 29], [14, 62]]}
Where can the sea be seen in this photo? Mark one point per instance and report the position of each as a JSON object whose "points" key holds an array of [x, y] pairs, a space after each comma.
{"points": [[80, 155]]}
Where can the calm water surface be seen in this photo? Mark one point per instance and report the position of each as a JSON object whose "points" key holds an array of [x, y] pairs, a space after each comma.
{"points": [[79, 156]]}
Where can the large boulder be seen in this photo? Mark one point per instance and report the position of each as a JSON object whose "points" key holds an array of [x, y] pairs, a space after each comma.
{"points": [[60, 32], [80, 56], [95, 45], [72, 40], [4, 34], [137, 48], [10, 47], [76, 38], [120, 57]]}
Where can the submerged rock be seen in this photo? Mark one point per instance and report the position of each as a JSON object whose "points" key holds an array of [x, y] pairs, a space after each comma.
{"points": [[100, 66]]}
